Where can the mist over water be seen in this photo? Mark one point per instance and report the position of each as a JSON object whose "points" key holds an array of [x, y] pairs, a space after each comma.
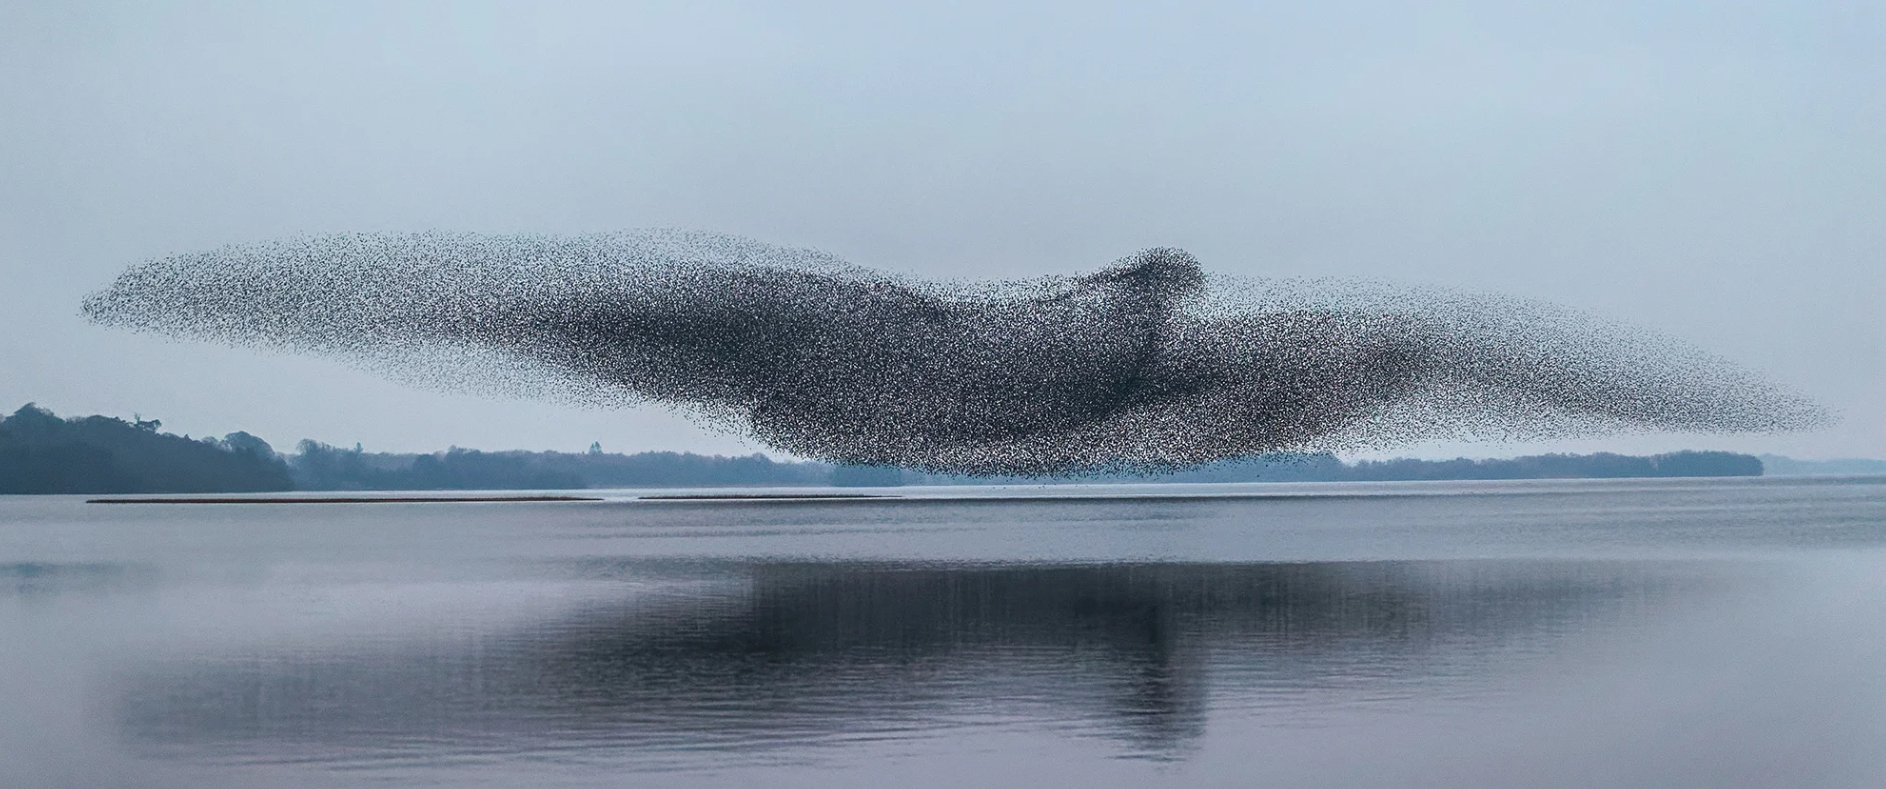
{"points": [[1619, 633]]}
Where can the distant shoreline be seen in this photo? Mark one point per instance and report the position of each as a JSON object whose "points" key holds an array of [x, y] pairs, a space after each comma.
{"points": [[762, 496], [334, 499], [42, 453]]}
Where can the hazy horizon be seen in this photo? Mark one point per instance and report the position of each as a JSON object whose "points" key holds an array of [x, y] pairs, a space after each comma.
{"points": [[1709, 173], [290, 448]]}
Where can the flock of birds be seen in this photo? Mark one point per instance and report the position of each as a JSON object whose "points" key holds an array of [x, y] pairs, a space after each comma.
{"points": [[1147, 364]]}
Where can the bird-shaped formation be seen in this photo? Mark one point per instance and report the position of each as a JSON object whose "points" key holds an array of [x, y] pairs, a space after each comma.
{"points": [[1147, 364]]}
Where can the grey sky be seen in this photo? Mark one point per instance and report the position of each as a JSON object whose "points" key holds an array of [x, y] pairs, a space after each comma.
{"points": [[1713, 171]]}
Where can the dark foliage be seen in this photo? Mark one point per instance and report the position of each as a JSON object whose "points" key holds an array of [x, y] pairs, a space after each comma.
{"points": [[323, 467], [41, 453]]}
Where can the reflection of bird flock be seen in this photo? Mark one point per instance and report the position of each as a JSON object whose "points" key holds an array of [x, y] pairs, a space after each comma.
{"points": [[1147, 364], [760, 655]]}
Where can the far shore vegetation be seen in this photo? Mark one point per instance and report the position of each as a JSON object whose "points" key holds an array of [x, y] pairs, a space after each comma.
{"points": [[41, 452]]}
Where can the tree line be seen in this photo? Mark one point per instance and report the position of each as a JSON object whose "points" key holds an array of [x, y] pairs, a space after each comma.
{"points": [[43, 453]]}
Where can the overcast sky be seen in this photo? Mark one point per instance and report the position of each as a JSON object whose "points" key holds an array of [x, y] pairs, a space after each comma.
{"points": [[1714, 171]]}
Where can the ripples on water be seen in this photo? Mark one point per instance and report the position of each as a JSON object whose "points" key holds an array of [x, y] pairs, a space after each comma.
{"points": [[1705, 634]]}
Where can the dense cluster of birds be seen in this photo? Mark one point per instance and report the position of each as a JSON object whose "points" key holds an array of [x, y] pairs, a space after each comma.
{"points": [[1146, 364]]}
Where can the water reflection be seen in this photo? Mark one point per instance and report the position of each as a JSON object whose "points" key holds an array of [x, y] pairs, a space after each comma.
{"points": [[744, 659], [45, 579]]}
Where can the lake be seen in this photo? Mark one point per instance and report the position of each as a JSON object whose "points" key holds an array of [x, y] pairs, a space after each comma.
{"points": [[1667, 633]]}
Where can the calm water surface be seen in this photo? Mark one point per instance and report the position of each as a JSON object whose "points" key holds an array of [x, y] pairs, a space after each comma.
{"points": [[1669, 633]]}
